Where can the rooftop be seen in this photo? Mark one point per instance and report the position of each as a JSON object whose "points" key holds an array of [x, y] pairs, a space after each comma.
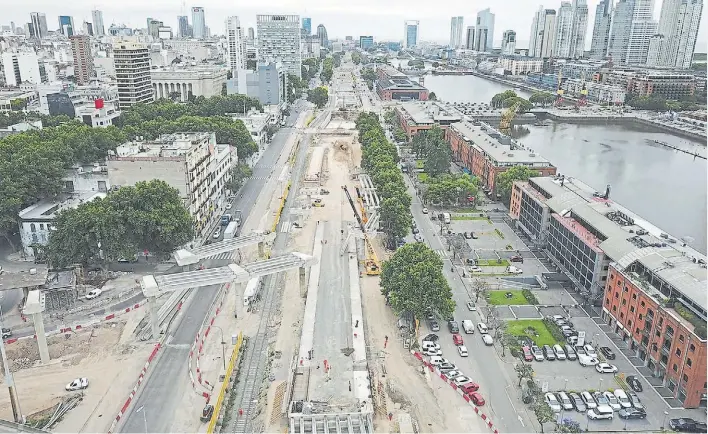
{"points": [[625, 237], [399, 84], [200, 71], [47, 209], [428, 112], [503, 150], [165, 146]]}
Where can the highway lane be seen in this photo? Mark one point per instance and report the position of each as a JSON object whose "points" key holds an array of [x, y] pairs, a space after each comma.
{"points": [[483, 365], [166, 382]]}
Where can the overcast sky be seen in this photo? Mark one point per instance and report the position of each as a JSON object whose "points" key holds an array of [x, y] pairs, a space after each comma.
{"points": [[341, 17]]}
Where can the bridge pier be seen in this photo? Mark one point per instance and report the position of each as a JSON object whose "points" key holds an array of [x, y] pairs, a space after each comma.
{"points": [[303, 282], [154, 319]]}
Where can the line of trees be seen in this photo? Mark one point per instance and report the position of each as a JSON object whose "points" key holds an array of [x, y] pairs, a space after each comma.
{"points": [[327, 70], [506, 179], [356, 57], [508, 98], [310, 68], [296, 86], [432, 146], [450, 189], [661, 104], [318, 96]]}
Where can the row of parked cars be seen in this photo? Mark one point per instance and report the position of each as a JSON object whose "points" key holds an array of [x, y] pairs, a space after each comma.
{"points": [[598, 405]]}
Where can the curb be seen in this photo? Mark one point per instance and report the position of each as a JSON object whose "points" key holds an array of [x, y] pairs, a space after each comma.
{"points": [[124, 408], [79, 327], [459, 391]]}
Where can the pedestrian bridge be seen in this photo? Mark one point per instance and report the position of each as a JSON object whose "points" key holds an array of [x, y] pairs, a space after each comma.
{"points": [[193, 256]]}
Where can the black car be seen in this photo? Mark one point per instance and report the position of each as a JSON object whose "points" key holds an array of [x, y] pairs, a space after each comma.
{"points": [[607, 352], [453, 327], [687, 425], [415, 230], [207, 413], [634, 383], [468, 235], [432, 337], [632, 413]]}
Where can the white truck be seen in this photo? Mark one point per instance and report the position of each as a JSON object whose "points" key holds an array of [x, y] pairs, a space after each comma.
{"points": [[446, 218], [231, 230], [253, 287]]}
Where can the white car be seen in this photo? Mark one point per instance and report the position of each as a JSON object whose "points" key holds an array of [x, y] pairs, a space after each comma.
{"points": [[462, 379], [482, 327], [436, 360], [78, 384], [452, 374], [487, 340], [552, 402], [588, 400], [590, 351], [425, 210], [93, 294], [229, 205], [605, 368], [514, 270], [431, 351], [612, 401], [623, 399], [475, 269], [471, 306], [462, 350], [217, 234], [586, 360], [594, 414]]}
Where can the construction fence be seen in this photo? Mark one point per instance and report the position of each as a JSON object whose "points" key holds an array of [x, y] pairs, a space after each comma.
{"points": [[225, 385]]}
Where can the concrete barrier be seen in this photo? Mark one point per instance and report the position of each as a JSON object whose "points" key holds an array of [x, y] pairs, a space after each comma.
{"points": [[225, 385]]}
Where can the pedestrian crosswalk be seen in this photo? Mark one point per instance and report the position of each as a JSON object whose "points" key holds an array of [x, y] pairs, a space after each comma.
{"points": [[442, 253], [285, 226]]}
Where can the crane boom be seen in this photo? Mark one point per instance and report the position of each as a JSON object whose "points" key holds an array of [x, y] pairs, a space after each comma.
{"points": [[508, 117], [372, 265]]}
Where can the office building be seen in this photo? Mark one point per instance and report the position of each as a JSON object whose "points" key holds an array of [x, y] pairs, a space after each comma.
{"points": [[251, 34], [179, 83], [307, 26], [97, 19], [481, 39], [83, 58], [469, 38], [392, 84], [322, 36], [23, 67], [279, 41], [235, 45], [366, 42], [88, 28], [520, 65], [198, 23], [410, 33], [66, 25], [38, 26], [485, 18], [675, 42], [631, 31], [132, 63], [456, 26], [564, 28], [580, 29], [154, 28], [543, 33], [182, 26], [272, 84], [96, 114], [508, 42], [416, 116], [601, 30]]}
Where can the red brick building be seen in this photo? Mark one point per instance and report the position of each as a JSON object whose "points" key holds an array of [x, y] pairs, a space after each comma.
{"points": [[417, 116], [393, 85]]}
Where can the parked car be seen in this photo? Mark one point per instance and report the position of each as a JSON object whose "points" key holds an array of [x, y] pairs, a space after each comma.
{"points": [[487, 339], [567, 331], [528, 356], [457, 339], [482, 327], [634, 383], [207, 413], [612, 400], [623, 398], [437, 360], [602, 402], [431, 351], [452, 374], [431, 337], [477, 399], [463, 351], [514, 270], [93, 294], [558, 351], [687, 425], [415, 230], [537, 353], [447, 367], [588, 399], [428, 344], [78, 384], [453, 327], [605, 368], [578, 403], [564, 400], [425, 210], [469, 387], [462, 379], [434, 326], [418, 238], [586, 360], [607, 352], [468, 326], [590, 351], [552, 402], [595, 414], [517, 258], [634, 399], [570, 353], [217, 234], [548, 352], [572, 340], [6, 332], [633, 413], [471, 306]]}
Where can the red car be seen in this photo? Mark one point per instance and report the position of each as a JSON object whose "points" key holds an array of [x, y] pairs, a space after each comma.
{"points": [[517, 258], [527, 353], [477, 399], [457, 339], [469, 387]]}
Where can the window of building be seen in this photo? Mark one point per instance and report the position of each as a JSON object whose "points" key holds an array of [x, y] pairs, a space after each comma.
{"points": [[617, 295], [614, 308], [640, 317], [681, 338], [642, 303], [621, 315], [678, 352], [658, 333], [634, 296], [692, 348], [636, 331], [41, 226], [685, 377], [689, 362], [631, 309], [675, 367], [33, 228], [607, 301], [624, 302], [630, 323]]}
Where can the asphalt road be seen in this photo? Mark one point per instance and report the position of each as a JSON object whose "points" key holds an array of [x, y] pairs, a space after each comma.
{"points": [[165, 385], [483, 365]]}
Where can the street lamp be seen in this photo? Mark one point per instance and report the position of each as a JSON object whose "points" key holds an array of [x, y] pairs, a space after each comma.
{"points": [[600, 389], [223, 346], [142, 410], [663, 424]]}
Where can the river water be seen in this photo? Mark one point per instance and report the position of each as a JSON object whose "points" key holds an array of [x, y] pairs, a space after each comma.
{"points": [[665, 187]]}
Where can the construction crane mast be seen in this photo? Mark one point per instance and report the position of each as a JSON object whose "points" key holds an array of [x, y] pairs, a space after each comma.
{"points": [[360, 200], [507, 118], [559, 90], [371, 263], [583, 100]]}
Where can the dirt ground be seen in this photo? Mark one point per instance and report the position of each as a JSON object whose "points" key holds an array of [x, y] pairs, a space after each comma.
{"points": [[109, 360]]}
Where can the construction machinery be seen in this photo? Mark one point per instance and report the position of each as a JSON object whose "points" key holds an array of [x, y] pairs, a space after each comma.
{"points": [[559, 90], [583, 100], [360, 200], [507, 118], [371, 263]]}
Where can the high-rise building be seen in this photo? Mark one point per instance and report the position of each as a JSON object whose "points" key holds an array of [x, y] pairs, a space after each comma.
{"points": [[279, 41], [154, 28], [307, 26], [83, 58], [97, 19], [631, 31], [322, 35], [410, 33], [132, 65], [366, 42], [88, 28], [198, 23], [601, 30], [675, 42], [508, 42], [39, 25], [456, 26], [66, 25], [235, 45], [481, 39], [251, 33], [485, 18], [183, 26], [469, 38], [21, 67], [543, 33], [580, 29], [564, 28]]}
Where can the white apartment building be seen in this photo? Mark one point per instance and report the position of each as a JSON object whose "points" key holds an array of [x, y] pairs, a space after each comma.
{"points": [[279, 41], [543, 33], [580, 29], [235, 44], [191, 49], [509, 42], [98, 27], [21, 67], [631, 31], [518, 65], [189, 162], [469, 39], [97, 114], [197, 81], [132, 63], [675, 42], [456, 26], [564, 30]]}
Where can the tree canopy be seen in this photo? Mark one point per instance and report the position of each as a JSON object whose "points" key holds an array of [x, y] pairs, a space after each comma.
{"points": [[413, 282], [318, 96], [432, 146], [506, 179], [310, 68], [356, 57], [369, 75], [450, 189], [327, 70], [508, 98], [542, 98], [149, 216], [239, 174], [296, 86]]}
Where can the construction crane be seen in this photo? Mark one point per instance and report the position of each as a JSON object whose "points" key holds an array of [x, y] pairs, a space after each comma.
{"points": [[360, 199], [583, 100], [507, 118], [559, 91], [371, 263]]}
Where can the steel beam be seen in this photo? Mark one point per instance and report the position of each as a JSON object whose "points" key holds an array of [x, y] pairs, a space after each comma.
{"points": [[193, 256]]}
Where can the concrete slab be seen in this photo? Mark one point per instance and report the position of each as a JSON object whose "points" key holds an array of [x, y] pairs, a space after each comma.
{"points": [[552, 310], [526, 312], [503, 312]]}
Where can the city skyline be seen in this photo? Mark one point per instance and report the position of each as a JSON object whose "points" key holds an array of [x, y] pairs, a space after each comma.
{"points": [[340, 19]]}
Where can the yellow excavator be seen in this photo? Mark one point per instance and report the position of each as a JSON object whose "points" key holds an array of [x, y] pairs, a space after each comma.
{"points": [[507, 118], [371, 263]]}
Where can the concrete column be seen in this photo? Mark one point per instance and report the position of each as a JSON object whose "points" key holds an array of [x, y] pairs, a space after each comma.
{"points": [[41, 337], [261, 249], [183, 91], [154, 319], [238, 290], [303, 282]]}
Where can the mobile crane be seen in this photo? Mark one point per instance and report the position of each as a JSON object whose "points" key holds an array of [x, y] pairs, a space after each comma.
{"points": [[371, 263], [507, 118], [360, 200]]}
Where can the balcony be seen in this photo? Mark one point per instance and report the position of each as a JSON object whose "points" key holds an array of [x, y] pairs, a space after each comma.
{"points": [[666, 350]]}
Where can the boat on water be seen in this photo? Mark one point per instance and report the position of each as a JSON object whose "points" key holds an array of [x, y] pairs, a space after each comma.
{"points": [[542, 124]]}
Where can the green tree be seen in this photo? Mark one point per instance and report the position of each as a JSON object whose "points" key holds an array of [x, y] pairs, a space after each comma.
{"points": [[412, 280], [543, 412], [327, 70], [399, 135], [337, 60], [390, 117], [499, 98], [356, 57], [395, 219], [174, 96], [506, 179], [507, 341], [432, 96], [239, 175], [431, 145], [436, 64], [542, 98], [523, 371], [18, 104], [481, 289], [369, 75], [318, 96]]}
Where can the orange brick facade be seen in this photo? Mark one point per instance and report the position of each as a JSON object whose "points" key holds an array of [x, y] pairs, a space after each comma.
{"points": [[660, 337]]}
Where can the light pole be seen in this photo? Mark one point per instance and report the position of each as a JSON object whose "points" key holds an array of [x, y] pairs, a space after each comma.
{"points": [[663, 424], [223, 346], [600, 389], [142, 410]]}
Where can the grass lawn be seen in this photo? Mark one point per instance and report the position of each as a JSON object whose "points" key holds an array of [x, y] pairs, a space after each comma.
{"points": [[419, 164], [492, 263], [423, 177], [542, 336], [466, 210], [468, 217], [499, 297]]}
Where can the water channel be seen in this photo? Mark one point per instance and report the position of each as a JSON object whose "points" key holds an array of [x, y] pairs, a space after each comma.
{"points": [[665, 187]]}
